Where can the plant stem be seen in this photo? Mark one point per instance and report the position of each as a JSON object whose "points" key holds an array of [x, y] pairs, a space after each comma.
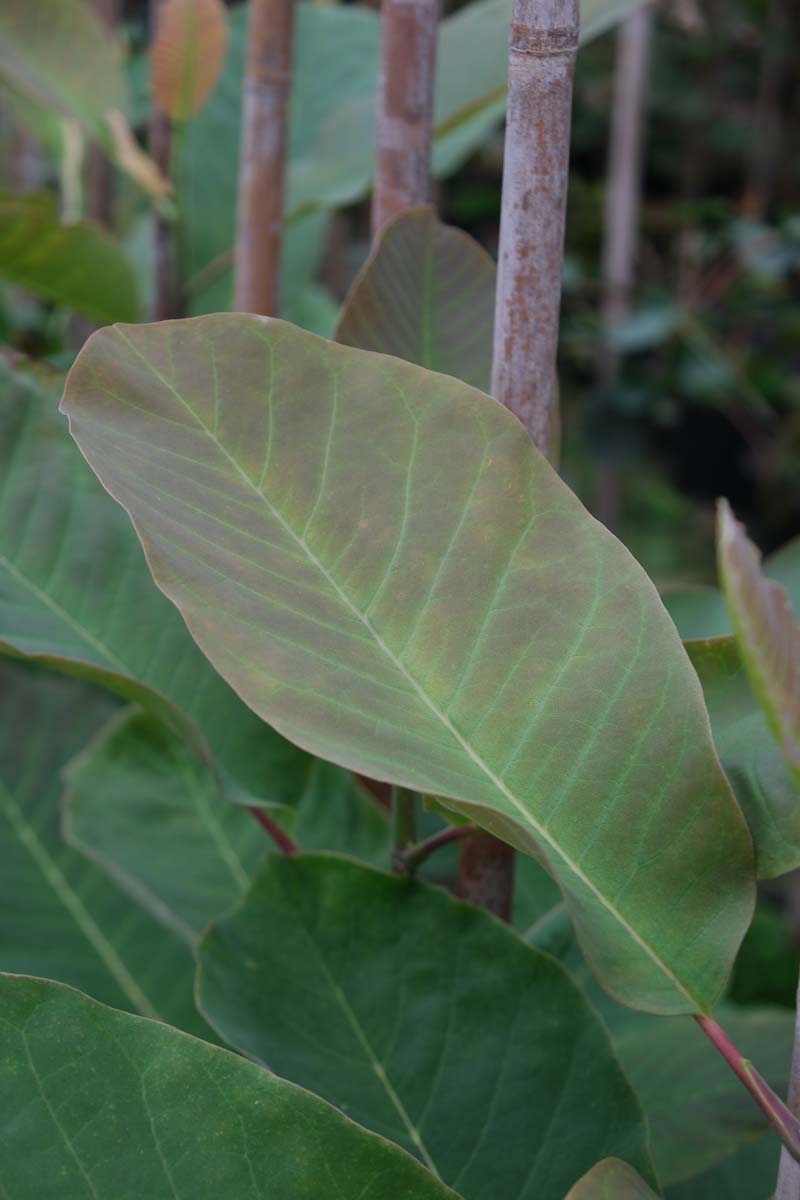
{"points": [[621, 219], [788, 1187], [623, 185], [281, 839], [407, 862], [100, 182], [404, 821], [405, 114], [544, 42], [785, 1124], [267, 86], [486, 873], [166, 297]]}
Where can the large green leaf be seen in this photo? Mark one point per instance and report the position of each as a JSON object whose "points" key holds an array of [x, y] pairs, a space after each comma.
{"points": [[425, 294], [611, 1180], [98, 1104], [79, 265], [424, 1019], [767, 632], [75, 593], [699, 1114], [149, 812], [59, 916], [750, 755], [384, 567]]}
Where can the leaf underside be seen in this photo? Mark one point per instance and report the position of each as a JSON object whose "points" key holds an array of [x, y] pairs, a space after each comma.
{"points": [[383, 567]]}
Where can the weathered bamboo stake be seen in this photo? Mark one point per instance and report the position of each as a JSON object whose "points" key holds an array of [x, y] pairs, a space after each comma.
{"points": [[267, 87], [621, 216], [405, 113], [623, 184], [100, 173], [166, 294], [544, 43]]}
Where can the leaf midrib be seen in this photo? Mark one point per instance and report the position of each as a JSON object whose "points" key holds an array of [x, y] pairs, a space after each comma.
{"points": [[527, 818]]}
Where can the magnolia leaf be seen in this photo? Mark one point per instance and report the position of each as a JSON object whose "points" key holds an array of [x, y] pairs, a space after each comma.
{"points": [[76, 595], [187, 54], [767, 631], [116, 1107], [425, 294], [78, 265], [383, 566], [150, 814], [59, 916], [424, 1019], [612, 1179], [752, 760]]}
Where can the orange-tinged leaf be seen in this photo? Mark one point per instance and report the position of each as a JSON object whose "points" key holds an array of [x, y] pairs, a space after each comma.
{"points": [[767, 630], [187, 54]]}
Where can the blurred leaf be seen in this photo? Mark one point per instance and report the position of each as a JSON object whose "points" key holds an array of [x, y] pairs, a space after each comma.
{"points": [[611, 1179], [424, 1019], [646, 328], [76, 594], [699, 1113], [698, 611], [78, 265], [59, 915], [58, 55], [425, 294], [390, 632], [767, 632], [187, 54], [747, 1175], [752, 760], [137, 1109], [62, 56]]}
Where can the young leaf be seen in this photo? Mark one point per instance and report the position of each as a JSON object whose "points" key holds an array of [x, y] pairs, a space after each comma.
{"points": [[75, 594], [761, 779], [767, 631], [113, 1107], [424, 1019], [383, 566], [150, 814], [425, 294], [187, 54], [78, 265], [59, 916], [611, 1180]]}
